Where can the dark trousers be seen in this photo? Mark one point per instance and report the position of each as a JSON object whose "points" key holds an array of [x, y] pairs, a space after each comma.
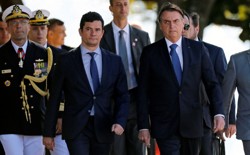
{"points": [[206, 143], [246, 146], [86, 143], [177, 145], [128, 143]]}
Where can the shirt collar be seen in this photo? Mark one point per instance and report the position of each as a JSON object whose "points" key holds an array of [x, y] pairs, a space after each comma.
{"points": [[85, 50], [24, 47], [117, 29], [169, 43]]}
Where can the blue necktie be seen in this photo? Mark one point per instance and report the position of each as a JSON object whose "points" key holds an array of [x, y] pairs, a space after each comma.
{"points": [[124, 56], [94, 72], [176, 63]]}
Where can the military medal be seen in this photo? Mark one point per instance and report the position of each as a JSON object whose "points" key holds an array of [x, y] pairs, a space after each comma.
{"points": [[20, 56], [7, 83]]}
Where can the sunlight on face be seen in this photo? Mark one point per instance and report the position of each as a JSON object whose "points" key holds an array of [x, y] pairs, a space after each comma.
{"points": [[91, 34], [4, 34], [18, 28], [171, 24], [120, 9], [38, 34]]}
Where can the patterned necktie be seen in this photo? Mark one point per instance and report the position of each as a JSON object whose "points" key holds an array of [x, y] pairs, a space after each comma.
{"points": [[20, 54], [94, 72], [176, 63], [124, 56]]}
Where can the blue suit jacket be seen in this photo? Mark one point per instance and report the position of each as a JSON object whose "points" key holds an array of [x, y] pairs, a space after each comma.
{"points": [[71, 77], [219, 62], [173, 108]]}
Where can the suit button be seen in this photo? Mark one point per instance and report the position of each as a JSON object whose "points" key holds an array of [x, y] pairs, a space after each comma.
{"points": [[180, 92], [94, 97]]}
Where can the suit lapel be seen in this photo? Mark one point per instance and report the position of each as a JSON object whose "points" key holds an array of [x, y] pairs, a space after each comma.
{"points": [[79, 66], [29, 59], [109, 38], [105, 70], [135, 53], [185, 53], [10, 54], [167, 60]]}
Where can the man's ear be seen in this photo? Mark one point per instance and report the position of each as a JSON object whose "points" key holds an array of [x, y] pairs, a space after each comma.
{"points": [[110, 8]]}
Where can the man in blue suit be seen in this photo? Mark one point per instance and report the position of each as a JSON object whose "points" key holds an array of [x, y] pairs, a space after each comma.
{"points": [[210, 142], [92, 78], [168, 99]]}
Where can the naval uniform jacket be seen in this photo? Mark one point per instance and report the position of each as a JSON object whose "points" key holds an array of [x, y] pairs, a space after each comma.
{"points": [[12, 114]]}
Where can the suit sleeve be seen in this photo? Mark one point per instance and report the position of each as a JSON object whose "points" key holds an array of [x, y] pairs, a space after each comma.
{"points": [[142, 99], [220, 70], [212, 85], [121, 96], [229, 87], [53, 103]]}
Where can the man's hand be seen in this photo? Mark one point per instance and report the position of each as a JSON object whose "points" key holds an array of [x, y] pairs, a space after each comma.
{"points": [[59, 126], [117, 129], [231, 130], [144, 136], [49, 143], [219, 124]]}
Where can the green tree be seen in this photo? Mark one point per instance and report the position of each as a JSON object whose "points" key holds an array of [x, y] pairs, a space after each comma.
{"points": [[221, 12]]}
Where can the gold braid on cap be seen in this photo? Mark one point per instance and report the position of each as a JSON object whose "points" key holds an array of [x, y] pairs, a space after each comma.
{"points": [[33, 80]]}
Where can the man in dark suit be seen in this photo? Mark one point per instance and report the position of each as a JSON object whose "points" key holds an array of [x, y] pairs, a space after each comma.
{"points": [[237, 77], [127, 143], [91, 78], [168, 97], [24, 69], [210, 142]]}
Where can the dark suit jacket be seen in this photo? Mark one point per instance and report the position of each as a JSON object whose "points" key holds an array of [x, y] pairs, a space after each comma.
{"points": [[172, 108], [138, 40], [12, 116], [67, 48], [70, 76], [219, 62]]}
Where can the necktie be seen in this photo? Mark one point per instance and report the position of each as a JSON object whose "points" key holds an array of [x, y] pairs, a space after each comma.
{"points": [[20, 54], [94, 71], [176, 62], [124, 55]]}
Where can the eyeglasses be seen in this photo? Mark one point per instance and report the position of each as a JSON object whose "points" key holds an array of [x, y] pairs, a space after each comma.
{"points": [[186, 26], [21, 22]]}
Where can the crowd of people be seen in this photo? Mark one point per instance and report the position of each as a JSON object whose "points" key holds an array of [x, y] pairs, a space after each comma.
{"points": [[117, 93]]}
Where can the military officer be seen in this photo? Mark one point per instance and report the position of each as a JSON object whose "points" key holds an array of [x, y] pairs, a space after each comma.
{"points": [[24, 69], [38, 33]]}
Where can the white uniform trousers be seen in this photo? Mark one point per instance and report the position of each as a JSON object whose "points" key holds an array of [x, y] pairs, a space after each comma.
{"points": [[14, 144], [60, 146]]}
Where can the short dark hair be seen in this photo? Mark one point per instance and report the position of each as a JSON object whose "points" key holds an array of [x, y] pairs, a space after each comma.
{"points": [[195, 18], [1, 13], [53, 22], [90, 17], [169, 7]]}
